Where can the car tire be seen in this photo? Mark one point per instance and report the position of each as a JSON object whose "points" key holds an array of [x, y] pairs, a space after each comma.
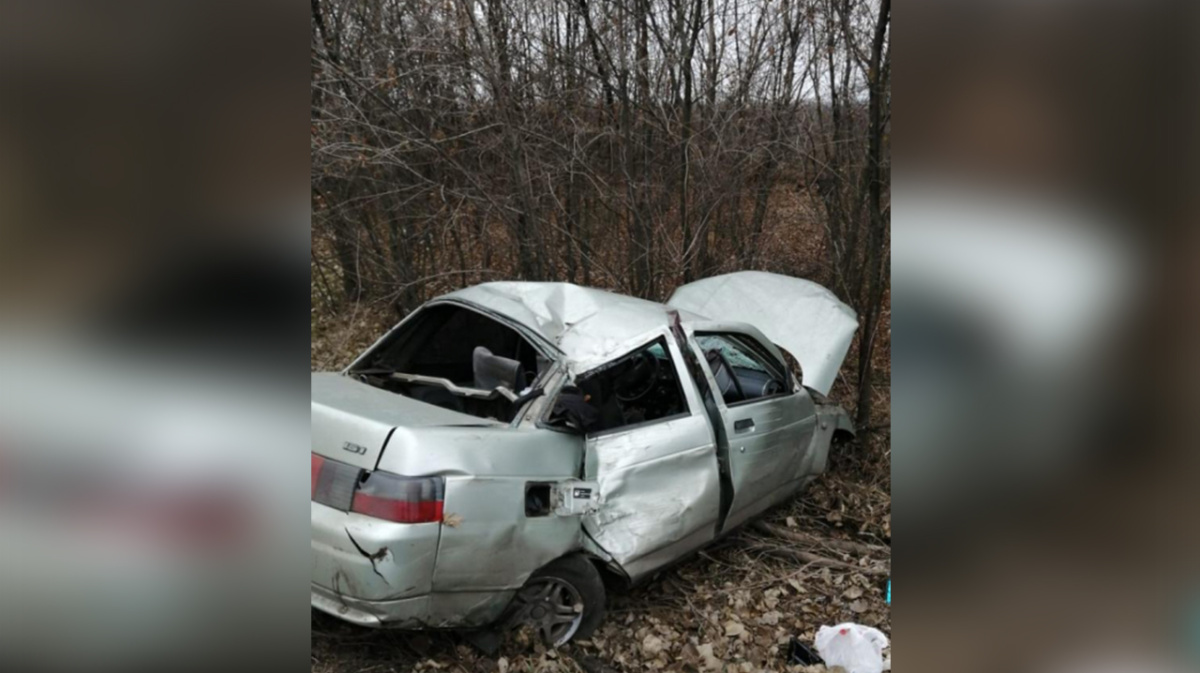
{"points": [[567, 585]]}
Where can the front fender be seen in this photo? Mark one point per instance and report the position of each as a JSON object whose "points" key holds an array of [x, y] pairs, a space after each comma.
{"points": [[832, 420], [842, 423]]}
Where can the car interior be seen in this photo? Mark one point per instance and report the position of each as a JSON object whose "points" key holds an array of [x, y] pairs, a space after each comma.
{"points": [[742, 372], [455, 358], [639, 387], [459, 359]]}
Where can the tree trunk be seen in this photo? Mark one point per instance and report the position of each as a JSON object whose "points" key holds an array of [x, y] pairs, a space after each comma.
{"points": [[878, 225]]}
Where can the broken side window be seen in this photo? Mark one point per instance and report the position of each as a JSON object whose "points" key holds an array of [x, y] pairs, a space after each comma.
{"points": [[640, 387], [742, 369]]}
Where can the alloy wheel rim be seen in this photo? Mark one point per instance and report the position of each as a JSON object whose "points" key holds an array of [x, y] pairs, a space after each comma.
{"points": [[553, 607]]}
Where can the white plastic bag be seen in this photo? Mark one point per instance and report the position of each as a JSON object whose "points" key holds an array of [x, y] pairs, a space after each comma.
{"points": [[854, 647]]}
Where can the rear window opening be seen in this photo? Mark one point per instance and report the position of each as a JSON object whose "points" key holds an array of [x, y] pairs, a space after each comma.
{"points": [[455, 358]]}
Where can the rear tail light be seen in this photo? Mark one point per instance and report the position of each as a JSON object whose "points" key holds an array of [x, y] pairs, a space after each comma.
{"points": [[379, 494], [400, 499], [317, 462]]}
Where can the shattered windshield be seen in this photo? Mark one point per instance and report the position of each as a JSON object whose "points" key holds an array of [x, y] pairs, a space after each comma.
{"points": [[737, 357]]}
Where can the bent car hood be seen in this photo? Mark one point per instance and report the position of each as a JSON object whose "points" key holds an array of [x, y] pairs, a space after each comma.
{"points": [[799, 315]]}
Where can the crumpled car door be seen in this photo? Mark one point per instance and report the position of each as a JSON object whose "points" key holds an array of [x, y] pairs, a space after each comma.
{"points": [[659, 484]]}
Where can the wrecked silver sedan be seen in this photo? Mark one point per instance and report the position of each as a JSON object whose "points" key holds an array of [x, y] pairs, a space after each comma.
{"points": [[506, 446]]}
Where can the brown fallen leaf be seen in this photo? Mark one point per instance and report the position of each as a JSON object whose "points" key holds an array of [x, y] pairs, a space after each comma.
{"points": [[652, 645], [710, 661], [770, 618]]}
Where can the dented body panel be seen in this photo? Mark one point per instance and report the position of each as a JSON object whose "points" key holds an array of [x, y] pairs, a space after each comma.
{"points": [[515, 493], [371, 559], [660, 493], [493, 545]]}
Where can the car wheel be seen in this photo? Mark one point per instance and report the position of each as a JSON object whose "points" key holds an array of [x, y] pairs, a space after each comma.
{"points": [[562, 601]]}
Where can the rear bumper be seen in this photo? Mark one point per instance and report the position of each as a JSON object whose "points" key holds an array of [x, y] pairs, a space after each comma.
{"points": [[380, 574], [370, 559], [431, 611]]}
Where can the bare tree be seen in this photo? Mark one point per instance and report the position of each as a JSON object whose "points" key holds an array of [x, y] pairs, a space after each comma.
{"points": [[631, 144]]}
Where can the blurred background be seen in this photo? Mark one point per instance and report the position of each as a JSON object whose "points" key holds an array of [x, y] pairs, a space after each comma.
{"points": [[153, 271], [1044, 361], [633, 146], [154, 255]]}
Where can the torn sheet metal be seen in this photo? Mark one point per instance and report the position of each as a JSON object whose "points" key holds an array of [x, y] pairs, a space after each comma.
{"points": [[799, 315]]}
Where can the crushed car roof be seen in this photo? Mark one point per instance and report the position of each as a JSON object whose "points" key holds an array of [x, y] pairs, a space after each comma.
{"points": [[589, 324], [583, 322]]}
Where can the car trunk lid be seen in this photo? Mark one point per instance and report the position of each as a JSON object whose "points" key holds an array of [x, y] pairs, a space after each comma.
{"points": [[351, 421]]}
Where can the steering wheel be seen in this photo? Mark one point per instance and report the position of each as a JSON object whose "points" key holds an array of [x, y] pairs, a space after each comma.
{"points": [[642, 371], [729, 371], [773, 387]]}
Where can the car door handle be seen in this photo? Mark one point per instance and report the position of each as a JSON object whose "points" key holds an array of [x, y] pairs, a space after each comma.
{"points": [[744, 425]]}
